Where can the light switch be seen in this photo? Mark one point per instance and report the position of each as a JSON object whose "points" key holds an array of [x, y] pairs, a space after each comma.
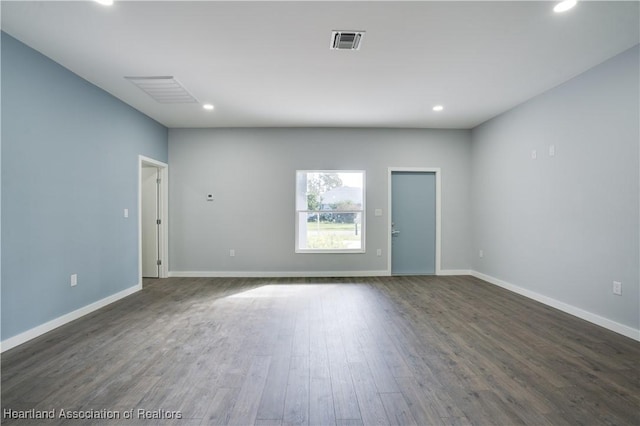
{"points": [[552, 150], [377, 212], [126, 212]]}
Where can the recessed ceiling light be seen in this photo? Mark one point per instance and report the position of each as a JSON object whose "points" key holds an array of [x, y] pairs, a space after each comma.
{"points": [[438, 108], [105, 2], [565, 5], [208, 107]]}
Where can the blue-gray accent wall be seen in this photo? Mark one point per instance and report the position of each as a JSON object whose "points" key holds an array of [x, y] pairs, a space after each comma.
{"points": [[69, 169]]}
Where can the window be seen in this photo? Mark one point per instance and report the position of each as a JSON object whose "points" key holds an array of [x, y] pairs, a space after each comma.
{"points": [[329, 211]]}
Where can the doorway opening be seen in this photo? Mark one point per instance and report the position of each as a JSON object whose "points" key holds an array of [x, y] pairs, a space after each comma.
{"points": [[414, 221], [152, 219]]}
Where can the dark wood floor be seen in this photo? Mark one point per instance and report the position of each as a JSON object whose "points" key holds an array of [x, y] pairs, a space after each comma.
{"points": [[401, 351]]}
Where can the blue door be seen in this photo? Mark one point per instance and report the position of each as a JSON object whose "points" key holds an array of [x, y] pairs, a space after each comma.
{"points": [[413, 217]]}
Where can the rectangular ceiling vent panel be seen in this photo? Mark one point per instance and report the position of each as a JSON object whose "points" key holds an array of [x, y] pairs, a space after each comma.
{"points": [[164, 89], [346, 40]]}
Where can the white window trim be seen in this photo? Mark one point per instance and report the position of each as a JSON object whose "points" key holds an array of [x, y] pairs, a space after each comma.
{"points": [[362, 249]]}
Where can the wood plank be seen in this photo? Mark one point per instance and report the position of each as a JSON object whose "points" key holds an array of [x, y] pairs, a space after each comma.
{"points": [[369, 350], [420, 403], [296, 403], [221, 406], [245, 409], [397, 409], [272, 402], [371, 408], [321, 409], [345, 400]]}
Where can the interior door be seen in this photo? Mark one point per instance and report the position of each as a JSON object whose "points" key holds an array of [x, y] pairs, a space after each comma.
{"points": [[150, 227], [413, 217]]}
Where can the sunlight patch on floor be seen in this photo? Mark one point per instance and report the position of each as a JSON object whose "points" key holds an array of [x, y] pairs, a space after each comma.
{"points": [[281, 291]]}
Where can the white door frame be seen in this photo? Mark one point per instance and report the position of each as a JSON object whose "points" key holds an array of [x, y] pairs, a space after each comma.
{"points": [[163, 238], [436, 171]]}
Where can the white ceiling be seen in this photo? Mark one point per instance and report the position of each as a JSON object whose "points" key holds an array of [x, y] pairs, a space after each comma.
{"points": [[268, 64]]}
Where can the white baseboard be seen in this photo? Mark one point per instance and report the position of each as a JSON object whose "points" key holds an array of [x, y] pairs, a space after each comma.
{"points": [[24, 337], [302, 274], [454, 272], [625, 330], [275, 274]]}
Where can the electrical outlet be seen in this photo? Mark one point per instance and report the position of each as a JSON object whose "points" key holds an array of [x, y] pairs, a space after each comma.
{"points": [[74, 280], [617, 288], [232, 253], [481, 253]]}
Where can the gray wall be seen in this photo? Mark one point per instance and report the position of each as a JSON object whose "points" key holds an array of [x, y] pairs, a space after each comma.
{"points": [[251, 173], [69, 169], [565, 226]]}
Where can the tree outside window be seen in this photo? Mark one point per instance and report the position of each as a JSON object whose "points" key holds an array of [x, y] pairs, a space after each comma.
{"points": [[329, 211]]}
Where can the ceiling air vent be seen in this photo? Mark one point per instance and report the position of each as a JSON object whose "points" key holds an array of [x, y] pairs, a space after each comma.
{"points": [[346, 40], [165, 89]]}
